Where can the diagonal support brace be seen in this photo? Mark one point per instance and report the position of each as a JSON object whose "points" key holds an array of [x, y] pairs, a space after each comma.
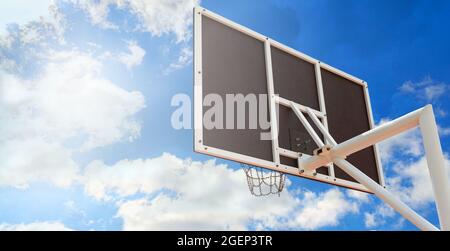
{"points": [[424, 118]]}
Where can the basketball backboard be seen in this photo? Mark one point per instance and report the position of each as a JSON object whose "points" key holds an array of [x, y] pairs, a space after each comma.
{"points": [[230, 59]]}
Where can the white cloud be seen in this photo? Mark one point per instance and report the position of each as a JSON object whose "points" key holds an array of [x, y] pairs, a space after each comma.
{"points": [[325, 209], [22, 12], [154, 16], [359, 196], [404, 155], [35, 226], [69, 99], [408, 143], [184, 59], [378, 216], [444, 131], [435, 91], [67, 104], [190, 195], [412, 182], [34, 21], [134, 57], [369, 220], [427, 89], [187, 194], [98, 11], [30, 32], [28, 160], [408, 178]]}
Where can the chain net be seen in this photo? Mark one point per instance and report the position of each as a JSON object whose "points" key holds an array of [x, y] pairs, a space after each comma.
{"points": [[262, 182]]}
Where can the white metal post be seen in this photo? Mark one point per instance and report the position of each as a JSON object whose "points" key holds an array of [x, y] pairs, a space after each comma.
{"points": [[436, 166], [367, 139], [385, 195], [272, 104], [323, 108], [424, 118], [321, 127]]}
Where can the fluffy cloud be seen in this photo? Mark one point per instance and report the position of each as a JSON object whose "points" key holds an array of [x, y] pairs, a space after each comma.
{"points": [[369, 220], [358, 196], [69, 99], [407, 175], [325, 209], [378, 216], [26, 29], [21, 12], [184, 59], [134, 57], [187, 195], [408, 143], [29, 23], [29, 160], [35, 226], [154, 16], [67, 103], [427, 89], [444, 131], [412, 182]]}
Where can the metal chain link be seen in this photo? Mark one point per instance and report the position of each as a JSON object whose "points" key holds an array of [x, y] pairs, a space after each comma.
{"points": [[262, 182]]}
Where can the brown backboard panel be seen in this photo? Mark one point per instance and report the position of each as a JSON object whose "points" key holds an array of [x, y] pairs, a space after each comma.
{"points": [[294, 78], [293, 136], [347, 117], [233, 63], [231, 59]]}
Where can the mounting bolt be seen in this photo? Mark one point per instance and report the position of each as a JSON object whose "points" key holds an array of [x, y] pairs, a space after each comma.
{"points": [[315, 174], [199, 72], [206, 148], [302, 171], [200, 141]]}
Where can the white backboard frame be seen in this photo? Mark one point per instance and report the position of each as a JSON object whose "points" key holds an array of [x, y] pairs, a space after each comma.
{"points": [[273, 100]]}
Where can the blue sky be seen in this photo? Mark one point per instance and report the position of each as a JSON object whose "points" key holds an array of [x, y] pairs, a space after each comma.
{"points": [[86, 140]]}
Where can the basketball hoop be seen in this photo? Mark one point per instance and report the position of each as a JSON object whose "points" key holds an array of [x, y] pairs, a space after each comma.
{"points": [[320, 103], [263, 182]]}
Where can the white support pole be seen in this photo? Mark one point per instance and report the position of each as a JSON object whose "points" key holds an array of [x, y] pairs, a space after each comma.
{"points": [[436, 166], [272, 104], [323, 108], [385, 195], [321, 127], [367, 139], [307, 126], [435, 159], [379, 133]]}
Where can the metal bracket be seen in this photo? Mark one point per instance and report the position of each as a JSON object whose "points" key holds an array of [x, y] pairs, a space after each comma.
{"points": [[325, 150]]}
